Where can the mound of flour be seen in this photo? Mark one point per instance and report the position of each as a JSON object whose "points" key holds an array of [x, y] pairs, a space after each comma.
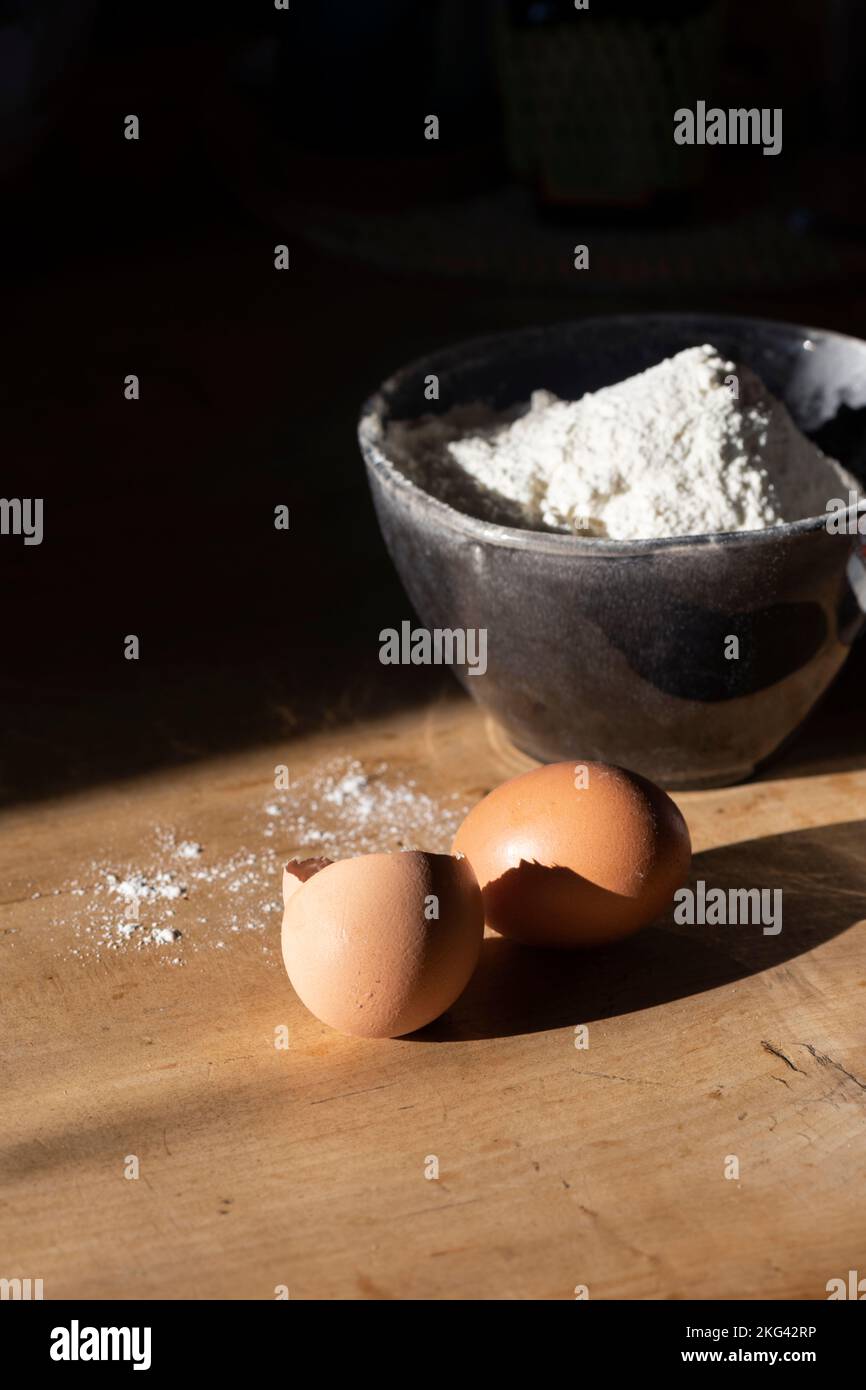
{"points": [[692, 445]]}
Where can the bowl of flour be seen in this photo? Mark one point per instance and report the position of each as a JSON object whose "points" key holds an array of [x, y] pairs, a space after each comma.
{"points": [[653, 518]]}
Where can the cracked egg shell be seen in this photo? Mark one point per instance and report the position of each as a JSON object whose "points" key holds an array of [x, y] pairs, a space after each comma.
{"points": [[381, 945], [561, 863]]}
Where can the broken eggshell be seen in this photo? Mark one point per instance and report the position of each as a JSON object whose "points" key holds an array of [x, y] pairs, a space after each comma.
{"points": [[380, 945], [575, 854]]}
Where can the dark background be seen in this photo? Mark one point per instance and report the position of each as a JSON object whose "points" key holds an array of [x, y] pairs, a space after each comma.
{"points": [[156, 257]]}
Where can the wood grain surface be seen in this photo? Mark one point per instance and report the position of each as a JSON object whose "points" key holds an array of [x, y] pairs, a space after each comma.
{"points": [[304, 1166]]}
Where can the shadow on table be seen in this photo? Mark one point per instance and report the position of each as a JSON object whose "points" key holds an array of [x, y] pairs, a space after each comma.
{"points": [[516, 989]]}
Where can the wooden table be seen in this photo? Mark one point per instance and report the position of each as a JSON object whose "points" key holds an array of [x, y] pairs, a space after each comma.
{"points": [[304, 1167]]}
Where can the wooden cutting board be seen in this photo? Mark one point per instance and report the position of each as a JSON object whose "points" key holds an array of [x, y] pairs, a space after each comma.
{"points": [[305, 1166]]}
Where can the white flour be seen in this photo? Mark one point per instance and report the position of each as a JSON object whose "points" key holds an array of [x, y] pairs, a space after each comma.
{"points": [[180, 898], [692, 445]]}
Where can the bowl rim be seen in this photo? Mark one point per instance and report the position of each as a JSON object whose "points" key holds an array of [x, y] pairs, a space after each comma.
{"points": [[371, 440]]}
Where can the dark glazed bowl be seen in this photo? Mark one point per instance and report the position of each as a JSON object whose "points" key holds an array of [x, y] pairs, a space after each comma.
{"points": [[615, 649]]}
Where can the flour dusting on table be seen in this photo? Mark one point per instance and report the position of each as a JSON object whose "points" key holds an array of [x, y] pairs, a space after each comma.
{"points": [[180, 897]]}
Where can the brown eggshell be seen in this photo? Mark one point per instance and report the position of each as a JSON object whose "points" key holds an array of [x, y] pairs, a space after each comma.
{"points": [[362, 951], [566, 865]]}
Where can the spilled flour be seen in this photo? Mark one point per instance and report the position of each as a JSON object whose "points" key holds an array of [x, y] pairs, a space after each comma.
{"points": [[181, 899], [342, 809]]}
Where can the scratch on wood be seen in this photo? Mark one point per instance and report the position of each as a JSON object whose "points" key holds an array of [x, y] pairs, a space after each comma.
{"points": [[823, 1060], [606, 1076], [345, 1094], [430, 1211], [777, 1052], [607, 1229]]}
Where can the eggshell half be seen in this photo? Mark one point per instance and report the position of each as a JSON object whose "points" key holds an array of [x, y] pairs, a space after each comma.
{"points": [[381, 945], [566, 864]]}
